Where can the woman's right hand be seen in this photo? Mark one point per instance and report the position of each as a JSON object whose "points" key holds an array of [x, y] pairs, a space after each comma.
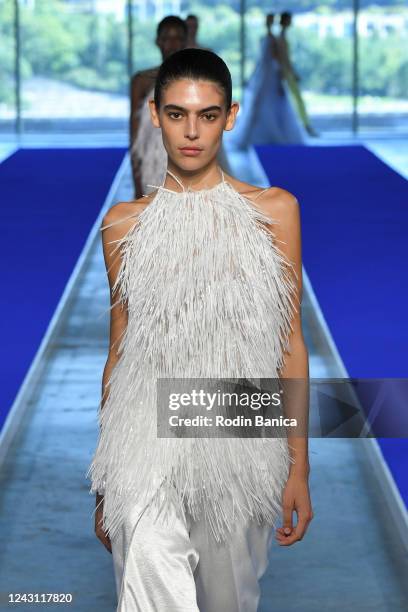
{"points": [[100, 533]]}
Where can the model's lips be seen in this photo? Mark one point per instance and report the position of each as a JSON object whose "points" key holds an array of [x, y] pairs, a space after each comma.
{"points": [[190, 151]]}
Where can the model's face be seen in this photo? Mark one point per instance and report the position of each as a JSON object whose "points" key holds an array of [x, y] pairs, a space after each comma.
{"points": [[269, 20], [192, 115], [170, 40]]}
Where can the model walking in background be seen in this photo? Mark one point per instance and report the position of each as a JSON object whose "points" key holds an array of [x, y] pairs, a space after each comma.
{"points": [[289, 73], [193, 25], [147, 154], [205, 276], [268, 115]]}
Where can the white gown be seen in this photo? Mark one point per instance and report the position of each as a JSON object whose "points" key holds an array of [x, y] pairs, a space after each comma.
{"points": [[267, 116]]}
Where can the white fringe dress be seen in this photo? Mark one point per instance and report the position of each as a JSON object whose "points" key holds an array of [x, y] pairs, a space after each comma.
{"points": [[209, 294]]}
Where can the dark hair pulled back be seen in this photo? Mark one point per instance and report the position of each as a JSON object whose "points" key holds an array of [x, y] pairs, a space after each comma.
{"points": [[196, 64]]}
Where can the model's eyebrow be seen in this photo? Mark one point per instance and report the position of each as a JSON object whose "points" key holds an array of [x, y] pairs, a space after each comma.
{"points": [[202, 110]]}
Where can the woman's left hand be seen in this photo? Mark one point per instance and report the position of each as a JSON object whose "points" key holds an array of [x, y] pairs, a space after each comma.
{"points": [[296, 497]]}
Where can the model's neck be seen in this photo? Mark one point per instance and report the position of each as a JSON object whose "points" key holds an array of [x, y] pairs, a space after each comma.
{"points": [[205, 178]]}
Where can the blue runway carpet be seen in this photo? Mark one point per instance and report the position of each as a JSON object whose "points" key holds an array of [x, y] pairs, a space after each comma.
{"points": [[50, 201], [354, 212]]}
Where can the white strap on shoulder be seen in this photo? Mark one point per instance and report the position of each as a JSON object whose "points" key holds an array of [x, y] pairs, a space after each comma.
{"points": [[261, 192]]}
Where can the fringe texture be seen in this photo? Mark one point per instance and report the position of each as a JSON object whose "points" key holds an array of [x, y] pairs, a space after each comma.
{"points": [[209, 294]]}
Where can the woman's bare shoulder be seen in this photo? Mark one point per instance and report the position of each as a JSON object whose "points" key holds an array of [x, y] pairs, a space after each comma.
{"points": [[272, 199], [121, 217], [278, 202], [283, 208]]}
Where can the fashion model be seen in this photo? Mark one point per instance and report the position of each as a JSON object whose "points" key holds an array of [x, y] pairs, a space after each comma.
{"points": [[147, 154], [268, 115], [289, 73], [205, 283], [193, 25]]}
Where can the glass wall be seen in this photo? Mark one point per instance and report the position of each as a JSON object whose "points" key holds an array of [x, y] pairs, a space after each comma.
{"points": [[71, 70], [383, 64], [8, 102], [73, 63]]}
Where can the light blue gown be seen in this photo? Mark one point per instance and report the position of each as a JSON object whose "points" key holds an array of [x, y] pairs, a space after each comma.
{"points": [[267, 116]]}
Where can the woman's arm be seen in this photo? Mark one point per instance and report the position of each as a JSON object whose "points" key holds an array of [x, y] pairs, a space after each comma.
{"points": [[284, 207], [118, 315], [296, 364]]}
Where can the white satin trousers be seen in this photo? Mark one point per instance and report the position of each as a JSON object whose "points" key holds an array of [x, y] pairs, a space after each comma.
{"points": [[158, 569]]}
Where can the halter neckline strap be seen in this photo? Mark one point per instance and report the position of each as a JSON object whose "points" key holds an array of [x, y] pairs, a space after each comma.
{"points": [[176, 178], [223, 183]]}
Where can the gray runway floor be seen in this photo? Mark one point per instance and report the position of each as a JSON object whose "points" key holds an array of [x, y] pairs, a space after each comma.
{"points": [[350, 559]]}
